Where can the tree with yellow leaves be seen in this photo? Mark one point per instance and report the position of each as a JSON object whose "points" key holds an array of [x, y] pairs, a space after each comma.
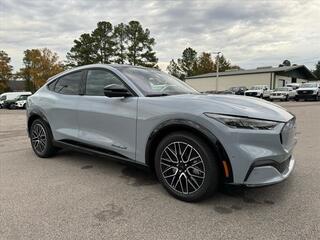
{"points": [[5, 71], [39, 65]]}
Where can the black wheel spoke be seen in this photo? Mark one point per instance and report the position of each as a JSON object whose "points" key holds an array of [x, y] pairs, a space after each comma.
{"points": [[182, 167]]}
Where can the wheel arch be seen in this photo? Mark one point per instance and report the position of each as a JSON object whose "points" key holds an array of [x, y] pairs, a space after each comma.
{"points": [[175, 125], [33, 115]]}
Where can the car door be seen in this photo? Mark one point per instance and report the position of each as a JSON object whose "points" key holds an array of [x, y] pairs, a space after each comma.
{"points": [[109, 123], [61, 104]]}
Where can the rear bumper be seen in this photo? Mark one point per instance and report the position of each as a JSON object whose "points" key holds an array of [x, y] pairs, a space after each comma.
{"points": [[268, 174]]}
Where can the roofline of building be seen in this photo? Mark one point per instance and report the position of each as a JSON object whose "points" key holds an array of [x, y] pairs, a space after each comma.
{"points": [[255, 71]]}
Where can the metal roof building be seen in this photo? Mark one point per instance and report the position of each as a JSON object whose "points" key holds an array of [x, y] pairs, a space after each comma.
{"points": [[271, 76]]}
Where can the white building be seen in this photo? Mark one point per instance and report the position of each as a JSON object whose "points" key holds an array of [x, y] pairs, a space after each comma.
{"points": [[271, 76]]}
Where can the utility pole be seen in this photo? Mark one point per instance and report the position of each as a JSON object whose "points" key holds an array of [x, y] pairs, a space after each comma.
{"points": [[217, 72]]}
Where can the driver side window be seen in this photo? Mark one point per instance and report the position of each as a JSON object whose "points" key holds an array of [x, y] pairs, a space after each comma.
{"points": [[97, 79]]}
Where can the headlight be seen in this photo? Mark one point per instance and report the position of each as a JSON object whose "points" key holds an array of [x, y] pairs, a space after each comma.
{"points": [[243, 122]]}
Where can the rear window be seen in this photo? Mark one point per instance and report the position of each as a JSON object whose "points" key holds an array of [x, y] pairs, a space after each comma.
{"points": [[69, 84]]}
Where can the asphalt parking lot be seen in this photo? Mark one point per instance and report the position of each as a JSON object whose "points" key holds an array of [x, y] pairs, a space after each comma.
{"points": [[77, 196]]}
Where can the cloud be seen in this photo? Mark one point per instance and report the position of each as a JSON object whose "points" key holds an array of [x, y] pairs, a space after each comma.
{"points": [[249, 33]]}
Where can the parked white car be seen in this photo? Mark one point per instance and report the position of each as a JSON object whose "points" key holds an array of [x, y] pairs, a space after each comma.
{"points": [[9, 96], [283, 94], [22, 101], [310, 90], [294, 86], [260, 91]]}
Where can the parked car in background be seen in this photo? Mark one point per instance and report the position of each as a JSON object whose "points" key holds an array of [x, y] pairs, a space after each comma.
{"points": [[310, 90], [192, 141], [21, 101], [283, 94], [8, 99], [260, 91], [294, 86], [236, 90]]}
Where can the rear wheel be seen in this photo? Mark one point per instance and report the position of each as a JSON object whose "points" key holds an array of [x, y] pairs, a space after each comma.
{"points": [[41, 139], [186, 167]]}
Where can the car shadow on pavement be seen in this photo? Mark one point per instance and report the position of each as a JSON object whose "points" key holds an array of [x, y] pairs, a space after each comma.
{"points": [[226, 200]]}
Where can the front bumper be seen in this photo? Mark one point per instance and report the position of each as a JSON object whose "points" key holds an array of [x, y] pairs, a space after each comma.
{"points": [[19, 105], [252, 94], [281, 97], [255, 156], [306, 96], [269, 174]]}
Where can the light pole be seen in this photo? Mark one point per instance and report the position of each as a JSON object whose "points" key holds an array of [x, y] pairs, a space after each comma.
{"points": [[217, 66]]}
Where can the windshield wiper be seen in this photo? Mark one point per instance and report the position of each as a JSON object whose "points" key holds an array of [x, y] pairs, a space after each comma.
{"points": [[156, 94]]}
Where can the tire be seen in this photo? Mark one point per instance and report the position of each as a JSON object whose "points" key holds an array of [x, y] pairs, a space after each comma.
{"points": [[287, 98], [24, 106], [12, 106], [41, 139], [200, 176]]}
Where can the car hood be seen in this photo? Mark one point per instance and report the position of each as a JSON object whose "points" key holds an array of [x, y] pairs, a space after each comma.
{"points": [[307, 89], [254, 90], [234, 105], [280, 92]]}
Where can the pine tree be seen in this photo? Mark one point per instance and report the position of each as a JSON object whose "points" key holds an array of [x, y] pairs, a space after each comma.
{"points": [[140, 45], [121, 41], [188, 62]]}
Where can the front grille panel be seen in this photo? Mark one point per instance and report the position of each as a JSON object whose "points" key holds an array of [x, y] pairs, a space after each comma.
{"points": [[307, 92], [251, 94], [281, 167]]}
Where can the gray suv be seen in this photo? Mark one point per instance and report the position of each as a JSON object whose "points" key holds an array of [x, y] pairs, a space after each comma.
{"points": [[192, 141]]}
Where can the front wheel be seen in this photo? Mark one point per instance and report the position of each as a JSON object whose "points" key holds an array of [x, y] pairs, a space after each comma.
{"points": [[186, 167], [12, 106], [41, 139]]}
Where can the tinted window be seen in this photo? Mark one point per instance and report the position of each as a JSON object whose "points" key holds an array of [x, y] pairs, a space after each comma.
{"points": [[51, 85], [69, 84], [98, 79]]}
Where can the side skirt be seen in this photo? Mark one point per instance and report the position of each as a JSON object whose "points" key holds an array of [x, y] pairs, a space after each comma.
{"points": [[93, 150]]}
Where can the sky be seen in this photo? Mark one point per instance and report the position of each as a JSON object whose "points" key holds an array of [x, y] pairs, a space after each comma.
{"points": [[249, 33]]}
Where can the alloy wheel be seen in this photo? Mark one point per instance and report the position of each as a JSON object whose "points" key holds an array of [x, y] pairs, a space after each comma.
{"points": [[39, 138], [182, 167]]}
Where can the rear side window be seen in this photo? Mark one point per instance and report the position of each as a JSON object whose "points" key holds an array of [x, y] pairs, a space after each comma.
{"points": [[51, 85], [69, 84], [98, 79]]}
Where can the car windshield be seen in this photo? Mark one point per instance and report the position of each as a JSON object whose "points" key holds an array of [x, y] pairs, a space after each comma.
{"points": [[283, 89], [234, 89], [309, 85], [256, 88], [156, 83], [21, 97], [3, 98]]}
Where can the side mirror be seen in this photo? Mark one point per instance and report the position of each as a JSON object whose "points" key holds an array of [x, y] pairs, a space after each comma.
{"points": [[116, 90]]}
